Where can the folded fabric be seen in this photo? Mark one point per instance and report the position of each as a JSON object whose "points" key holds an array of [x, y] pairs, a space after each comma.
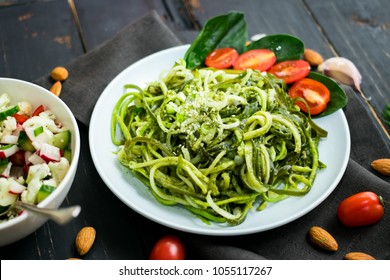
{"points": [[91, 73]]}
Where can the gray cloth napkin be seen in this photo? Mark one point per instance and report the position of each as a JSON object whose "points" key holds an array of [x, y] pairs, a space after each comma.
{"points": [[91, 73]]}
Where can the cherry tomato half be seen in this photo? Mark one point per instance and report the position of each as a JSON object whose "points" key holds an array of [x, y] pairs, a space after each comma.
{"points": [[360, 209], [168, 248], [221, 58], [315, 93], [260, 59], [291, 70]]}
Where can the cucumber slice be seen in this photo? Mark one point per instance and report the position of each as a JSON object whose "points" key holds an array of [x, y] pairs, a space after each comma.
{"points": [[3, 164], [68, 155], [61, 140], [8, 111], [44, 192], [38, 130], [25, 143]]}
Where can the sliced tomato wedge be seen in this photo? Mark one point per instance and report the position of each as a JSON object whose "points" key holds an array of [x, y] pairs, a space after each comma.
{"points": [[316, 94], [291, 71], [20, 118], [38, 110], [221, 58], [261, 59]]}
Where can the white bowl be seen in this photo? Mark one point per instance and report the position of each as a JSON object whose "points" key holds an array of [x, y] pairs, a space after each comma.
{"points": [[18, 90]]}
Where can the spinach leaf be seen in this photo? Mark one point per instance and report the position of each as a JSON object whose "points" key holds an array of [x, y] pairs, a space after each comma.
{"points": [[338, 97], [222, 31], [285, 47]]}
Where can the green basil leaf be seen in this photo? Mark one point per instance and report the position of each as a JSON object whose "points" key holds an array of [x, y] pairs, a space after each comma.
{"points": [[285, 47], [338, 97], [222, 31]]}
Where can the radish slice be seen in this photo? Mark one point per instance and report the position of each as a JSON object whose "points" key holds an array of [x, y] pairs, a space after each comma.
{"points": [[49, 152], [44, 137], [19, 127], [16, 188], [35, 159], [29, 132], [8, 151]]}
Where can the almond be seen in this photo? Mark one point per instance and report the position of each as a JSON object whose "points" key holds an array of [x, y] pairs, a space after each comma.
{"points": [[313, 57], [59, 73], [358, 256], [323, 239], [56, 88], [85, 239], [382, 165]]}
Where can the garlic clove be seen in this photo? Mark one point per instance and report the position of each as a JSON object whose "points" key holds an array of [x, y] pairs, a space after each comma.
{"points": [[342, 70]]}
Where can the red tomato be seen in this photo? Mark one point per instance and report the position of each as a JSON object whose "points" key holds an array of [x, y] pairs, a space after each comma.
{"points": [[17, 158], [221, 58], [315, 93], [168, 248], [20, 118], [26, 168], [291, 70], [261, 59], [360, 209], [38, 110]]}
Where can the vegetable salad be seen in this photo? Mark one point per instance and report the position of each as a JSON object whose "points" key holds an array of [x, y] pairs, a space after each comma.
{"points": [[35, 154]]}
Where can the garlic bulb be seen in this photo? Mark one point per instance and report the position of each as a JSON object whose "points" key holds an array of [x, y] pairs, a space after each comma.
{"points": [[342, 70]]}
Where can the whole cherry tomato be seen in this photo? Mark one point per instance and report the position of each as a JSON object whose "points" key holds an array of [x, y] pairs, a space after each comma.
{"points": [[168, 248], [360, 209]]}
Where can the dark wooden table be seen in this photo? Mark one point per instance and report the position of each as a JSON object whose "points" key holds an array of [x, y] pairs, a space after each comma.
{"points": [[36, 36]]}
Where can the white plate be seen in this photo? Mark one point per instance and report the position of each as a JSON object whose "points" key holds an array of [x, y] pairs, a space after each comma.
{"points": [[334, 152]]}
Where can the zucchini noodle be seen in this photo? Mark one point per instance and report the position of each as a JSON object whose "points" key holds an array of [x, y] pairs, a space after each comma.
{"points": [[216, 141]]}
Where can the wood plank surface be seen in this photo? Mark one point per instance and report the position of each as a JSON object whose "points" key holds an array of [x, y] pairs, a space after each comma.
{"points": [[44, 34], [268, 17], [369, 22], [35, 37]]}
